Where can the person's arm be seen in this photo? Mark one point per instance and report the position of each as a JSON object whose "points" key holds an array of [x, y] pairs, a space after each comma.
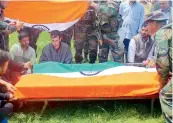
{"points": [[8, 86], [68, 58], [162, 60], [141, 19], [121, 9], [6, 28], [44, 57], [132, 50]]}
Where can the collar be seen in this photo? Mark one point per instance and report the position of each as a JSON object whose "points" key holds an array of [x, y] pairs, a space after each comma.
{"points": [[22, 48], [167, 10], [58, 47], [133, 4]]}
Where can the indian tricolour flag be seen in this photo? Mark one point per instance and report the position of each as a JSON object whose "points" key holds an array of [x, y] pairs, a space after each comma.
{"points": [[82, 81], [46, 15]]}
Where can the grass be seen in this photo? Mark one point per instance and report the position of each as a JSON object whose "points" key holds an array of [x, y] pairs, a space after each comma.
{"points": [[127, 111]]}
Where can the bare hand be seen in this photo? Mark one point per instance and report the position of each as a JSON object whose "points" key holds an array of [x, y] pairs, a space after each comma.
{"points": [[28, 65], [149, 63], [11, 96], [10, 87], [19, 25]]}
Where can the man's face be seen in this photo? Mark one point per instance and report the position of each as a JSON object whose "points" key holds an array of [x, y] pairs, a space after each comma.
{"points": [[24, 42], [132, 1], [151, 26], [56, 42], [164, 5], [144, 32]]}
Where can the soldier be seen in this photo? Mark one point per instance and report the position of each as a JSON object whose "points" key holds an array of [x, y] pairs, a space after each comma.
{"points": [[163, 38], [109, 21], [164, 67], [6, 28], [85, 34], [67, 36]]}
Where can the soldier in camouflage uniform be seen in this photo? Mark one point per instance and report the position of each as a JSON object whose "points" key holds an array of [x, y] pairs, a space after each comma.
{"points": [[109, 21], [67, 36], [6, 28], [164, 61], [85, 37], [164, 67]]}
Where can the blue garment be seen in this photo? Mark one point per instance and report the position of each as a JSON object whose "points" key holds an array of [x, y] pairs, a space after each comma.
{"points": [[5, 120], [133, 18]]}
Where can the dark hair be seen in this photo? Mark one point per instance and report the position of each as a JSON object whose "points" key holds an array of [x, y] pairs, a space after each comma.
{"points": [[56, 33], [22, 34], [4, 56]]}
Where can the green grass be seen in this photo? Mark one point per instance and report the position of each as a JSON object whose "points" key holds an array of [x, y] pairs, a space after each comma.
{"points": [[128, 111], [90, 112]]}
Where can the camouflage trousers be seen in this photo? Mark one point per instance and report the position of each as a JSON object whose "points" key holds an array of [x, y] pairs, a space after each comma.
{"points": [[4, 42], [166, 101], [88, 43], [116, 53]]}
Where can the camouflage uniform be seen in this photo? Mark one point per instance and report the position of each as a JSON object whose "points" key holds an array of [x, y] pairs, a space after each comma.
{"points": [[109, 22], [4, 38], [67, 36], [164, 66], [85, 37]]}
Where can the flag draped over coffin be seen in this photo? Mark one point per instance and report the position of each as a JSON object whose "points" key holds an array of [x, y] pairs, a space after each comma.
{"points": [[104, 80], [46, 15]]}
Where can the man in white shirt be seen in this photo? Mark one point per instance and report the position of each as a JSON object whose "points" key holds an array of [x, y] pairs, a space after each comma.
{"points": [[22, 52], [141, 47]]}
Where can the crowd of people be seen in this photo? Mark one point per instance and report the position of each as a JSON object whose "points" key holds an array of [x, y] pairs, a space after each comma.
{"points": [[127, 31]]}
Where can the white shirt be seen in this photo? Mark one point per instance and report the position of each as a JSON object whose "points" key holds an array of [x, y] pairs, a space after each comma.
{"points": [[132, 51]]}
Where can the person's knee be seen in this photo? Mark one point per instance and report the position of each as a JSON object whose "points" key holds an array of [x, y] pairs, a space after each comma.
{"points": [[6, 110]]}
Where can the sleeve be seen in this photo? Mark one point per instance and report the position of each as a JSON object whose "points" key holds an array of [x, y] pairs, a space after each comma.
{"points": [[44, 57], [121, 9], [68, 59], [3, 26], [132, 50], [141, 19], [162, 60]]}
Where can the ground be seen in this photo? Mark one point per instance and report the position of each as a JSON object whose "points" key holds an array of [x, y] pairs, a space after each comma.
{"points": [[126, 111]]}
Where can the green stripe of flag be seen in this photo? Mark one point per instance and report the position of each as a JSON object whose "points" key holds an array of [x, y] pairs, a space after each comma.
{"points": [[54, 67]]}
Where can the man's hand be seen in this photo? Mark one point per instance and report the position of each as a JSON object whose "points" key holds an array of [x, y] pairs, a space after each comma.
{"points": [[19, 25], [10, 88], [149, 63], [28, 65]]}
